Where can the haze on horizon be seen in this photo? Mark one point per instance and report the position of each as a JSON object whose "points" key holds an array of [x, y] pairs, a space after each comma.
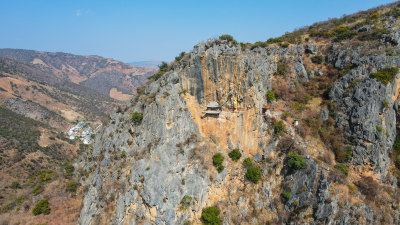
{"points": [[155, 30]]}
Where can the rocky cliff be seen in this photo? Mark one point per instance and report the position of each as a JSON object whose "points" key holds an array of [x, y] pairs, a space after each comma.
{"points": [[316, 125]]}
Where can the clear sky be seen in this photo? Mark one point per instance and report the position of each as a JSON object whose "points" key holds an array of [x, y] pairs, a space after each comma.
{"points": [[152, 29]]}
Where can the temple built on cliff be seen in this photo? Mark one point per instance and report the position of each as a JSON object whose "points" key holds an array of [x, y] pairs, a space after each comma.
{"points": [[213, 108]]}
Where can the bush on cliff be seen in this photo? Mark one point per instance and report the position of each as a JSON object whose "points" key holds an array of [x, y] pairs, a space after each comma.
{"points": [[296, 161], [218, 158], [279, 127], [343, 168], [42, 207], [137, 118], [385, 75], [69, 170], [178, 58], [235, 154], [210, 216], [282, 68], [247, 162], [228, 38], [253, 174], [286, 194], [162, 69], [270, 96], [71, 187], [259, 44], [317, 59], [342, 33]]}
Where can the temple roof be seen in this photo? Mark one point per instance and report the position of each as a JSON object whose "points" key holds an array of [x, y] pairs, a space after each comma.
{"points": [[212, 112], [213, 105]]}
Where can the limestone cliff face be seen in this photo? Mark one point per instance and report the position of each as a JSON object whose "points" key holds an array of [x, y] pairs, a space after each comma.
{"points": [[147, 180], [215, 72], [160, 170], [362, 111], [168, 155]]}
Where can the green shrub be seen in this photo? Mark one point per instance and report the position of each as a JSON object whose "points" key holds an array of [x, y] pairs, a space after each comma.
{"points": [[259, 44], [317, 59], [38, 189], [15, 185], [270, 96], [178, 58], [19, 200], [274, 40], [42, 207], [253, 174], [123, 155], [162, 69], [320, 33], [226, 37], [137, 118], [343, 168], [218, 158], [379, 128], [279, 127], [71, 187], [296, 161], [286, 194], [385, 75], [396, 145], [210, 216], [235, 154], [247, 162], [185, 202], [220, 168], [374, 16], [69, 170], [46, 175], [282, 68], [183, 92], [243, 46], [349, 151], [342, 33], [352, 187], [284, 44], [385, 104], [374, 35]]}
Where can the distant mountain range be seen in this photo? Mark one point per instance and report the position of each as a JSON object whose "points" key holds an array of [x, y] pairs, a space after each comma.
{"points": [[104, 75], [42, 95], [153, 64]]}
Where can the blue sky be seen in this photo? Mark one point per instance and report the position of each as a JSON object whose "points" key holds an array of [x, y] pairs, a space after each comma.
{"points": [[155, 30]]}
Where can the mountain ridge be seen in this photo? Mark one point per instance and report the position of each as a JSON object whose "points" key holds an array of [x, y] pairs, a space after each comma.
{"points": [[83, 70]]}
